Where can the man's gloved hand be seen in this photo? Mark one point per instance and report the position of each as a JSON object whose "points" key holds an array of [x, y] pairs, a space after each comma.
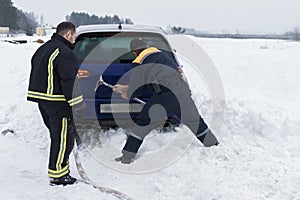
{"points": [[123, 159]]}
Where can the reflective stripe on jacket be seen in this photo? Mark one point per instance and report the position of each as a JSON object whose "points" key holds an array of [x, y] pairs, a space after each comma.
{"points": [[53, 73]]}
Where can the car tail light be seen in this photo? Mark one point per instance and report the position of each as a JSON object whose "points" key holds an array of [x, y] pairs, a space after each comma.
{"points": [[83, 73]]}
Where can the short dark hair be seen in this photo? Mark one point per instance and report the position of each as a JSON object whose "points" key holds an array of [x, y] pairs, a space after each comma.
{"points": [[137, 44], [64, 27]]}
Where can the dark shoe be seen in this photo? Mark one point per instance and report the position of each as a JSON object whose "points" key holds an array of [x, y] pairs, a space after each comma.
{"points": [[209, 139], [64, 180], [123, 159]]}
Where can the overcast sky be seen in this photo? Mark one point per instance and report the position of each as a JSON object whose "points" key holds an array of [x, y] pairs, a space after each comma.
{"points": [[245, 16]]}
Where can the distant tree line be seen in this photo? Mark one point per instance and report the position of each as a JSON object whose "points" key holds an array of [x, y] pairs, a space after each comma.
{"points": [[80, 18], [291, 35], [16, 19], [294, 35]]}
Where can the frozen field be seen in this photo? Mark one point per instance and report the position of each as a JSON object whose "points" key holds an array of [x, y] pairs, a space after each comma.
{"points": [[258, 157]]}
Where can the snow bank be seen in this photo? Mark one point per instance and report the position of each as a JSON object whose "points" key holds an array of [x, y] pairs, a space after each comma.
{"points": [[258, 157]]}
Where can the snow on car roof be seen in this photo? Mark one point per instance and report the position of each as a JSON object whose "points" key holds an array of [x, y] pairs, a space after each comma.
{"points": [[115, 28]]}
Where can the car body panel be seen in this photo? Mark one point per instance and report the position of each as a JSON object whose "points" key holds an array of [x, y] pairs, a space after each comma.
{"points": [[103, 50]]}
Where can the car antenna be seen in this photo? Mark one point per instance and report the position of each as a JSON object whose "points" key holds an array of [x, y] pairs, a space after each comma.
{"points": [[120, 26]]}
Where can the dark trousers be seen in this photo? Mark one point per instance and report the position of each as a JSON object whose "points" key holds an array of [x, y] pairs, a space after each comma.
{"points": [[160, 106], [155, 112], [58, 118]]}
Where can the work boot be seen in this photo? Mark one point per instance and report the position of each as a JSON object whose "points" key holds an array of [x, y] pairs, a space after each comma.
{"points": [[124, 159], [209, 139], [64, 180]]}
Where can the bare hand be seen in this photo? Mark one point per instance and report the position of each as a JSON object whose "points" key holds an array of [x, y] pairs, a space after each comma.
{"points": [[122, 89]]}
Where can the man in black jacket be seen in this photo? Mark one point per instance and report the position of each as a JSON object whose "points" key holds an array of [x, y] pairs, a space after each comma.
{"points": [[154, 71], [53, 86]]}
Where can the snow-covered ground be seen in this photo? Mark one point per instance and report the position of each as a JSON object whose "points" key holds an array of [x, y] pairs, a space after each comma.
{"points": [[258, 157]]}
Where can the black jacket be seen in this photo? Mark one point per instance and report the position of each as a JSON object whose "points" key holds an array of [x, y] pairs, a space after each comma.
{"points": [[53, 73], [153, 70]]}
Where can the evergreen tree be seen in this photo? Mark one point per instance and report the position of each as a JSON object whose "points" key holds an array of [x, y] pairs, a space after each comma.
{"points": [[16, 19], [85, 19], [116, 20], [27, 22], [128, 21], [8, 14]]}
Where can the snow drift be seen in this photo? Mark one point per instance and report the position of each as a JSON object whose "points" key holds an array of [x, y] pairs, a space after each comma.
{"points": [[258, 157]]}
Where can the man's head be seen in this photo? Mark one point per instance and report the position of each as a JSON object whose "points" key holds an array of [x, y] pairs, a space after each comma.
{"points": [[67, 30], [136, 45]]}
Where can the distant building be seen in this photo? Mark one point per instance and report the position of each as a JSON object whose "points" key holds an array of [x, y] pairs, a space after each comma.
{"points": [[45, 30], [40, 31], [4, 30]]}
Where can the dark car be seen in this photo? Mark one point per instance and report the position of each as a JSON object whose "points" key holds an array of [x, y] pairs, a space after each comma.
{"points": [[103, 51]]}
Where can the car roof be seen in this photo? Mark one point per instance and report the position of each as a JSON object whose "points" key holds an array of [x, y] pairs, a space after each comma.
{"points": [[115, 28]]}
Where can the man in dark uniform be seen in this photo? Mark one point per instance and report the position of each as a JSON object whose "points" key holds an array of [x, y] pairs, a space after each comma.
{"points": [[153, 70], [53, 86]]}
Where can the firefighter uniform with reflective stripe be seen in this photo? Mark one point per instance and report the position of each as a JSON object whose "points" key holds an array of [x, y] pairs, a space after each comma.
{"points": [[53, 86], [154, 71]]}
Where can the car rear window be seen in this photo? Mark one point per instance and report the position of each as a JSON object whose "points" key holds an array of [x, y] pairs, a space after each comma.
{"points": [[113, 48]]}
